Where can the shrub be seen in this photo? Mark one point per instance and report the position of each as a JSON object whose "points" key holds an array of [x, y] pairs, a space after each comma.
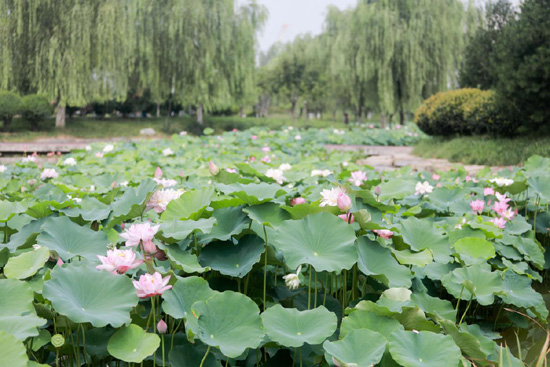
{"points": [[10, 105], [466, 111], [35, 109]]}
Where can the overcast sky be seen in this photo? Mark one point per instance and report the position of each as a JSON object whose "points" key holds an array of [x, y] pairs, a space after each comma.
{"points": [[288, 18]]}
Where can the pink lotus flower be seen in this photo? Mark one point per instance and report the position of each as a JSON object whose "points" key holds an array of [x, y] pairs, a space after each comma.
{"points": [[345, 217], [151, 285], [49, 173], [161, 198], [330, 197], [158, 173], [231, 170], [214, 170], [371, 126], [254, 137], [162, 327], [99, 155], [139, 232], [500, 207], [358, 177], [59, 262], [297, 201], [502, 198], [266, 159], [500, 222], [234, 130], [384, 233], [266, 149], [477, 206], [436, 177], [468, 179], [119, 261], [344, 202], [509, 214], [488, 191]]}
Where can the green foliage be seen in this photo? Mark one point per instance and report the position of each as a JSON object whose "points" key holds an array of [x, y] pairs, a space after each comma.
{"points": [[466, 112], [35, 109], [10, 105]]}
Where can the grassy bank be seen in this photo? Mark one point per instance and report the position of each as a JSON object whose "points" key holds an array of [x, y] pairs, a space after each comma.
{"points": [[483, 150], [90, 128]]}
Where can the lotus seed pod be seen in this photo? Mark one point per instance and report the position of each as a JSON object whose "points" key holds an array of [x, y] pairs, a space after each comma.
{"points": [[58, 340]]}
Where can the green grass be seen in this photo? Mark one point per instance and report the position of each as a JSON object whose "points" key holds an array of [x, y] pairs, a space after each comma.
{"points": [[92, 128], [485, 150]]}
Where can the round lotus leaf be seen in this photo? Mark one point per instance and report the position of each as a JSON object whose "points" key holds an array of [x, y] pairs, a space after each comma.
{"points": [[361, 319], [17, 314], [26, 264], [423, 349], [361, 348], [292, 328], [85, 294], [189, 355], [233, 260], [229, 321], [322, 240], [477, 280], [14, 353], [132, 344], [69, 239], [474, 250]]}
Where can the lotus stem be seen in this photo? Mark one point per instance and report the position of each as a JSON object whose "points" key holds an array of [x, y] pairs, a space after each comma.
{"points": [[205, 355], [466, 310], [265, 267], [325, 286], [309, 290], [459, 297], [315, 302]]}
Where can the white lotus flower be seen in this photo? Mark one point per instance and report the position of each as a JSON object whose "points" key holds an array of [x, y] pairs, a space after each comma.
{"points": [[330, 197], [166, 152], [48, 173], [423, 188], [3, 168], [108, 148], [29, 158], [69, 162], [298, 137], [285, 167], [276, 174], [323, 173], [501, 181], [164, 182], [292, 280], [88, 148]]}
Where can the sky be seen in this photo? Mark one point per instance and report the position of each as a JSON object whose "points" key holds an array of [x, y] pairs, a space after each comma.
{"points": [[289, 18]]}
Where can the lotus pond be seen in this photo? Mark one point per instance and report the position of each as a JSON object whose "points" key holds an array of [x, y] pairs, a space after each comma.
{"points": [[277, 253]]}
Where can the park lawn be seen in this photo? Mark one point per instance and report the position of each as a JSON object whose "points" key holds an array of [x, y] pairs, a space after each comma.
{"points": [[93, 128], [484, 150]]}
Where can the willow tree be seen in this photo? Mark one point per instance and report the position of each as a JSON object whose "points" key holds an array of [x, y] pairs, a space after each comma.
{"points": [[74, 51]]}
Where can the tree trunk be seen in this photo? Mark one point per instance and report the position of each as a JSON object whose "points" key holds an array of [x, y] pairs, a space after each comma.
{"points": [[306, 110], [346, 118], [241, 111], [401, 117], [383, 121], [60, 117], [158, 109], [360, 114], [391, 120], [199, 114], [293, 112], [334, 115]]}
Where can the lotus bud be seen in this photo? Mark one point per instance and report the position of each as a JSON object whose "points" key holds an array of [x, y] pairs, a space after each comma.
{"points": [[114, 184], [377, 191], [158, 173], [344, 202], [181, 173], [59, 262], [214, 170], [162, 327], [161, 255]]}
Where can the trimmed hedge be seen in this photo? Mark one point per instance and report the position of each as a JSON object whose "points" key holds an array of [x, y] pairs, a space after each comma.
{"points": [[10, 105], [466, 111], [35, 109]]}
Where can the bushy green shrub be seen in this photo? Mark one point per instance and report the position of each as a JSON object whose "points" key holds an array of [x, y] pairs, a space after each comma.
{"points": [[10, 105], [466, 111], [35, 109]]}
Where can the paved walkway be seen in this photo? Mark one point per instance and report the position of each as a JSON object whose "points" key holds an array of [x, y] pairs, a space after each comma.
{"points": [[385, 158], [380, 157]]}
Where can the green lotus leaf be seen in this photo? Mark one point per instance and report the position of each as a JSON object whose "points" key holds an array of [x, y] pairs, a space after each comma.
{"points": [[423, 349], [518, 291], [89, 295], [268, 214], [132, 203], [230, 222], [69, 239], [97, 340], [90, 210], [14, 353], [477, 347], [420, 234], [361, 348], [476, 279], [233, 260], [190, 205], [540, 186], [17, 314], [530, 249], [434, 306], [518, 226], [184, 293], [26, 235], [292, 328], [229, 321], [26, 264], [189, 355], [396, 189], [132, 344], [8, 209], [395, 299], [180, 229], [253, 194], [361, 319], [322, 240], [362, 217], [188, 261], [474, 250], [377, 261], [408, 257], [303, 210], [413, 318]]}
